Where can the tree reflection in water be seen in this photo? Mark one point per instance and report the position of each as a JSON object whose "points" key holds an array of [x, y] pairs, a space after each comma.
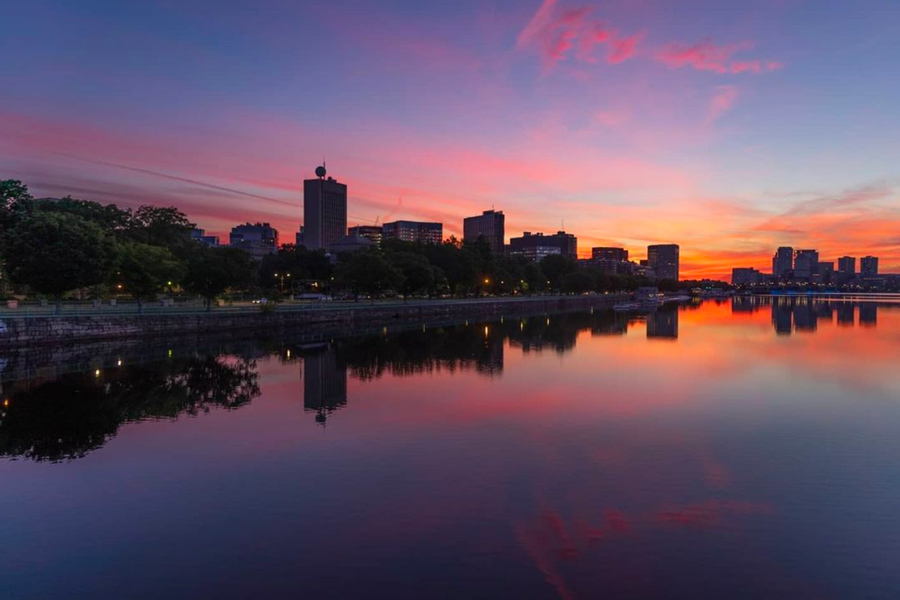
{"points": [[74, 414]]}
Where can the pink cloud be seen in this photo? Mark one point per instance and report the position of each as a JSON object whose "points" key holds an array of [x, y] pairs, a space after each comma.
{"points": [[554, 33], [722, 101], [621, 49], [706, 56]]}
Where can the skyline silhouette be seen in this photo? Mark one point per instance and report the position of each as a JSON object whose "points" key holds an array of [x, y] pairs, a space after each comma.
{"points": [[734, 133]]}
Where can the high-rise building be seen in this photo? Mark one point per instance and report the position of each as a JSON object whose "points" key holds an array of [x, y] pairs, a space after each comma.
{"points": [[806, 265], [324, 211], [414, 231], [825, 272], [868, 266], [535, 246], [372, 232], [847, 265], [256, 239], [607, 253], [491, 224], [664, 260], [783, 263]]}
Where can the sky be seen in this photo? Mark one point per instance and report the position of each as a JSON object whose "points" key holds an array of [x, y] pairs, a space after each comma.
{"points": [[729, 128]]}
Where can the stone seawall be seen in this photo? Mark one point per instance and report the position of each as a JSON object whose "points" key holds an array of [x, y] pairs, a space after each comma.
{"points": [[16, 332]]}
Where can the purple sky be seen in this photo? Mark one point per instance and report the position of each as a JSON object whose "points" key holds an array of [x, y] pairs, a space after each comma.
{"points": [[728, 127]]}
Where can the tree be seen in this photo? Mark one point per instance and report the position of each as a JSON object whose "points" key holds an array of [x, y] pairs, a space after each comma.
{"points": [[108, 217], [57, 253], [555, 266], [161, 226], [577, 282], [418, 274], [145, 269], [367, 272], [535, 280], [211, 271], [14, 199]]}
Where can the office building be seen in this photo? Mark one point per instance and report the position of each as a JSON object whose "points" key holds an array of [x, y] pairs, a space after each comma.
{"points": [[664, 260], [606, 253], [806, 265], [257, 239], [370, 232], [199, 235], [299, 237], [825, 272], [847, 265], [324, 211], [868, 266], [414, 231], [491, 225], [783, 263], [536, 246], [745, 276]]}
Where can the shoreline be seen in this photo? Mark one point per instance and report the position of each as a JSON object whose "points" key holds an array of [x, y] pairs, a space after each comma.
{"points": [[314, 322]]}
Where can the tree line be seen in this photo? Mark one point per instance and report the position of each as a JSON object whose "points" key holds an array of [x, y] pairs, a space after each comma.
{"points": [[54, 248]]}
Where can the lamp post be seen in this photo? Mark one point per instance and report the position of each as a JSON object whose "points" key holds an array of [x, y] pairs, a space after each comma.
{"points": [[281, 279]]}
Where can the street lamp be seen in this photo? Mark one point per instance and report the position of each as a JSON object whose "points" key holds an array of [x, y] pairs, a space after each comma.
{"points": [[281, 278]]}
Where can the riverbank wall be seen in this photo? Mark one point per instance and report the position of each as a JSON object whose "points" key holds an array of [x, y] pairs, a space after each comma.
{"points": [[307, 322]]}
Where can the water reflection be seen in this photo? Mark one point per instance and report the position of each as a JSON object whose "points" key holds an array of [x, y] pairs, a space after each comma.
{"points": [[792, 314], [68, 417], [559, 456]]}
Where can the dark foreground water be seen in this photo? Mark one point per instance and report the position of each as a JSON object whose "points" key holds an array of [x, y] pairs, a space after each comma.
{"points": [[741, 449]]}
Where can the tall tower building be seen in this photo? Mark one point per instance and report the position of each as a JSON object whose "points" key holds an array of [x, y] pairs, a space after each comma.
{"points": [[664, 260], [847, 265], [868, 266], [806, 264], [783, 263], [324, 211], [491, 224]]}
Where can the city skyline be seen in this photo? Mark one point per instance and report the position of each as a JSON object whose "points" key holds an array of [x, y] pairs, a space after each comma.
{"points": [[730, 134]]}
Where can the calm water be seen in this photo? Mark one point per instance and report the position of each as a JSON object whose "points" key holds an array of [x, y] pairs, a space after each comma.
{"points": [[741, 449]]}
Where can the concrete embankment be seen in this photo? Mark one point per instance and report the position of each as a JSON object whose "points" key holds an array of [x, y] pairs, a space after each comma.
{"points": [[339, 320]]}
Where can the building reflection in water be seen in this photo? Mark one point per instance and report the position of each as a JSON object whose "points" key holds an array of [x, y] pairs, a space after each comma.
{"points": [[868, 314], [324, 383], [804, 313], [663, 323]]}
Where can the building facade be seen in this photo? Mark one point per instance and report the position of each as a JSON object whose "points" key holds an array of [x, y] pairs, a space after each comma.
{"points": [[868, 266], [324, 211], [414, 231], [607, 253], [664, 259], [806, 265], [199, 235], [491, 224], [746, 276], [847, 265], [783, 263], [371, 232], [825, 272], [535, 246], [257, 239]]}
